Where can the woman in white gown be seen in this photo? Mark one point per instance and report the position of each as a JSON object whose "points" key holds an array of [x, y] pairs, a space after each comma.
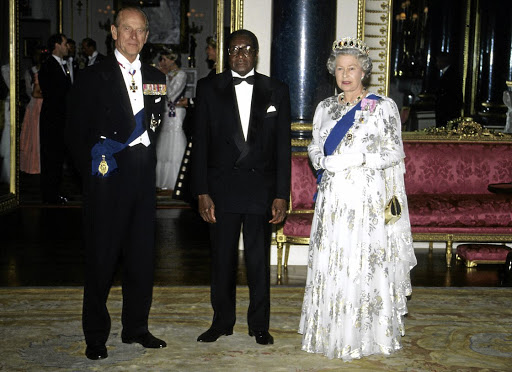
{"points": [[358, 266], [171, 141]]}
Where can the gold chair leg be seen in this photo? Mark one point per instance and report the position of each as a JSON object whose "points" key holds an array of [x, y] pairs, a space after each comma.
{"points": [[449, 247], [430, 247], [286, 255], [279, 261]]}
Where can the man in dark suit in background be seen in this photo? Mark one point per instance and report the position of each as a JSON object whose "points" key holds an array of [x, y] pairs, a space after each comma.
{"points": [[55, 81], [115, 110], [449, 90], [90, 52], [72, 61], [241, 176]]}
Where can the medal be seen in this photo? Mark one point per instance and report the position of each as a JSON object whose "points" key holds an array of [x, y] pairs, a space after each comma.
{"points": [[133, 86], [103, 167]]}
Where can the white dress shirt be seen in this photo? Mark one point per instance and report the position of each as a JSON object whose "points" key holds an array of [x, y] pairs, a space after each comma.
{"points": [[61, 63], [69, 63], [137, 97], [244, 99], [92, 58]]}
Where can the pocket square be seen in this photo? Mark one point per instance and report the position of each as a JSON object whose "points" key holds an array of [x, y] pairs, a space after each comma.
{"points": [[158, 99], [271, 108]]}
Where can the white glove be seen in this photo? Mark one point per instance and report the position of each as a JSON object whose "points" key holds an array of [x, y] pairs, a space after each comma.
{"points": [[336, 163]]}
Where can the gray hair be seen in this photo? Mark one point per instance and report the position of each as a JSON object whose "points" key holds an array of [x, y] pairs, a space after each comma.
{"points": [[133, 9], [364, 60]]}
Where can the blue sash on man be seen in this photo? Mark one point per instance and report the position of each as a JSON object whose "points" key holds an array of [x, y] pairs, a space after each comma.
{"points": [[337, 133], [104, 151]]}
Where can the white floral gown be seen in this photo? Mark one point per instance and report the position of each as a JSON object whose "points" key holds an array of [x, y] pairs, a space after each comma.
{"points": [[358, 267], [171, 141]]}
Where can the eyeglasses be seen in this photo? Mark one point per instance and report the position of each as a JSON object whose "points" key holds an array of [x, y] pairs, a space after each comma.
{"points": [[244, 49]]}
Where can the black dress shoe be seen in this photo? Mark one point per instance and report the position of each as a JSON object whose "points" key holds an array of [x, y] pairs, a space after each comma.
{"points": [[212, 335], [147, 340], [262, 337], [96, 351]]}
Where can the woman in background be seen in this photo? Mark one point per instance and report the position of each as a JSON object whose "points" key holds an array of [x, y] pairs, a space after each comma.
{"points": [[29, 137], [358, 267], [211, 54], [171, 141]]}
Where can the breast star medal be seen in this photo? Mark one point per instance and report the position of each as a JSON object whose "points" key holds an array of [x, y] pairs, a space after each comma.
{"points": [[154, 123], [103, 167]]}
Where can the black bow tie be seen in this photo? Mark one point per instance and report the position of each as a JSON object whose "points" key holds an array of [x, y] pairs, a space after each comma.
{"points": [[248, 80]]}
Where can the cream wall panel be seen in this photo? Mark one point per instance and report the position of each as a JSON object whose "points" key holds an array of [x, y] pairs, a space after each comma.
{"points": [[346, 23], [258, 19]]}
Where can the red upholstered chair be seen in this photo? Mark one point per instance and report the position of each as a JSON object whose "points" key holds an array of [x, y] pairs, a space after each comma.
{"points": [[297, 226]]}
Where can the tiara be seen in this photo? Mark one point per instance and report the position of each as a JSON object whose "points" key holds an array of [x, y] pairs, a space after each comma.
{"points": [[350, 42]]}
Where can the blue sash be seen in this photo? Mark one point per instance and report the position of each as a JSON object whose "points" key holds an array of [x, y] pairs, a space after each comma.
{"points": [[108, 148], [338, 133]]}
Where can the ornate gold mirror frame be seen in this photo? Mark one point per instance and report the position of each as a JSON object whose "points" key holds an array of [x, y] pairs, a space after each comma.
{"points": [[10, 200], [236, 22]]}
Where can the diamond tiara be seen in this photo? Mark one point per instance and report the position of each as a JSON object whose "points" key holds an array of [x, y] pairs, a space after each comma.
{"points": [[350, 42]]}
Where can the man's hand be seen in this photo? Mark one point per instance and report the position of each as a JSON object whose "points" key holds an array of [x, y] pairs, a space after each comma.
{"points": [[278, 211], [206, 208]]}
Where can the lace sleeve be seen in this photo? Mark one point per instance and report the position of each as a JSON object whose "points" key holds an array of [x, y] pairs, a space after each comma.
{"points": [[176, 85], [391, 148], [315, 148]]}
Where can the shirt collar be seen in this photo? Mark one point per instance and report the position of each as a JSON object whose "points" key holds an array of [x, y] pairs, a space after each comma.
{"points": [[125, 63], [95, 53], [235, 74], [58, 59]]}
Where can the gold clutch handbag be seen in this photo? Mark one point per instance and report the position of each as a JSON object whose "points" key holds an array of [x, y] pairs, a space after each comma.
{"points": [[393, 210]]}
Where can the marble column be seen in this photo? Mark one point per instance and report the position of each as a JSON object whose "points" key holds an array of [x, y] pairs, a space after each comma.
{"points": [[302, 36]]}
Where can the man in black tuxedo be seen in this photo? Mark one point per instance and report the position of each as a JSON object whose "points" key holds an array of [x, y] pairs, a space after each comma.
{"points": [[72, 61], [116, 108], [89, 51], [241, 177], [449, 91], [55, 82]]}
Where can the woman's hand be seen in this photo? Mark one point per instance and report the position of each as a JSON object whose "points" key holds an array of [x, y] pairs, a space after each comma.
{"points": [[336, 163]]}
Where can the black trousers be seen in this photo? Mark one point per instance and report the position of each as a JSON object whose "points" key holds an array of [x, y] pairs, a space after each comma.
{"points": [[224, 236], [119, 226]]}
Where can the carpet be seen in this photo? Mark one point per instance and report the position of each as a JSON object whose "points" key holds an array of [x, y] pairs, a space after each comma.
{"points": [[447, 329]]}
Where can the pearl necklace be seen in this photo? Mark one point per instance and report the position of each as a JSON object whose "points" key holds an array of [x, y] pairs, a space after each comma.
{"points": [[342, 98]]}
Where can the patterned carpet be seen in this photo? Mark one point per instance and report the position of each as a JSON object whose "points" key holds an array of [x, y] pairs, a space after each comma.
{"points": [[448, 329]]}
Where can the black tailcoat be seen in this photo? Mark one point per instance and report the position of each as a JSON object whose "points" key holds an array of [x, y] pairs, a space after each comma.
{"points": [[119, 218], [55, 86]]}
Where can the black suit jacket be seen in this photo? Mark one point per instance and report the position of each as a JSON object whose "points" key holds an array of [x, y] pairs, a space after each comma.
{"points": [[100, 106], [241, 176], [100, 57], [54, 86]]}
